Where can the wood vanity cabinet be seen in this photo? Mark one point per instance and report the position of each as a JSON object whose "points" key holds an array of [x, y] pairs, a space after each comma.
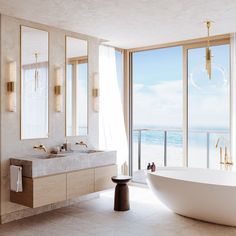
{"points": [[60, 187], [49, 190], [103, 176], [41, 191], [80, 183]]}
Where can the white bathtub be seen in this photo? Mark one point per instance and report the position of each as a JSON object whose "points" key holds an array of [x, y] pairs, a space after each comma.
{"points": [[208, 195]]}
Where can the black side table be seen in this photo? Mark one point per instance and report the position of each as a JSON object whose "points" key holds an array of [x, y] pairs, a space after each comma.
{"points": [[121, 201]]}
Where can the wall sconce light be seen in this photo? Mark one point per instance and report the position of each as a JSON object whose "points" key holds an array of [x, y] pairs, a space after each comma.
{"points": [[95, 92], [58, 90], [11, 87]]}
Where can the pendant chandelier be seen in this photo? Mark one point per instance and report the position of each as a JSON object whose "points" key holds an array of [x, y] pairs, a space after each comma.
{"points": [[208, 51]]}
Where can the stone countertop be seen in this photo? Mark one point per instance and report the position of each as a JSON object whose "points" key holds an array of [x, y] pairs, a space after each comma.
{"points": [[38, 166]]}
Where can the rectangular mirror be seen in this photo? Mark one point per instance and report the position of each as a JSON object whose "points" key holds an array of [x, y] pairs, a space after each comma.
{"points": [[76, 87], [34, 83]]}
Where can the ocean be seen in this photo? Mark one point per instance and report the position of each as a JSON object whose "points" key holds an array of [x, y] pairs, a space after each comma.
{"points": [[152, 143], [196, 137]]}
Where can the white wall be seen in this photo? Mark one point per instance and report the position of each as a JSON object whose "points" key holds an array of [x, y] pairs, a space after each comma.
{"points": [[11, 145]]}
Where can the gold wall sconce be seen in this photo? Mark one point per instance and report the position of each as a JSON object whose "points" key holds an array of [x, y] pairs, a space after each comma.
{"points": [[58, 90], [11, 87], [95, 92]]}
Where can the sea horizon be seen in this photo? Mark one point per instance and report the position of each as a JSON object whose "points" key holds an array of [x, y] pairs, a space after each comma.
{"points": [[201, 128]]}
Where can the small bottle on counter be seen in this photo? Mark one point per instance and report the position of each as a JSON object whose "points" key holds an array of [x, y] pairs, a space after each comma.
{"points": [[153, 167], [149, 166]]}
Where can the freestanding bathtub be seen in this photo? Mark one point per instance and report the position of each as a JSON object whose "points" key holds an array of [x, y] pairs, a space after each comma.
{"points": [[208, 195]]}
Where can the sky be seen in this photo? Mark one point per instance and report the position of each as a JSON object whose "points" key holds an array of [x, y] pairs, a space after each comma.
{"points": [[158, 88]]}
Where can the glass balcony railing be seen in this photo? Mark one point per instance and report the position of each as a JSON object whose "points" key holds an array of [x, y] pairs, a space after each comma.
{"points": [[164, 147]]}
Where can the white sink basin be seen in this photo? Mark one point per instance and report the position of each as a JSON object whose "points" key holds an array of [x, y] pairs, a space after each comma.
{"points": [[49, 156], [89, 151], [68, 154]]}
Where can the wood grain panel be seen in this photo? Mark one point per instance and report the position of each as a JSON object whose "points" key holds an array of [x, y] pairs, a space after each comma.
{"points": [[103, 177], [80, 183], [26, 197], [56, 188], [50, 189]]}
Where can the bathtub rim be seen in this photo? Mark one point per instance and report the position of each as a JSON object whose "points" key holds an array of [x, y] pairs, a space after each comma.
{"points": [[191, 181]]}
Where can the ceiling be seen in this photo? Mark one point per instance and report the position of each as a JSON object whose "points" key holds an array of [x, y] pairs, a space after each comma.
{"points": [[129, 23]]}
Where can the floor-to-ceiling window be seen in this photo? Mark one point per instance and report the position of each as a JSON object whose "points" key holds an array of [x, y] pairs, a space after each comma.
{"points": [[208, 106], [157, 108], [160, 114]]}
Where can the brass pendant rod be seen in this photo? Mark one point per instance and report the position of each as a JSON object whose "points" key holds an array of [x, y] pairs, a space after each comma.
{"points": [[208, 50], [208, 23], [36, 72]]}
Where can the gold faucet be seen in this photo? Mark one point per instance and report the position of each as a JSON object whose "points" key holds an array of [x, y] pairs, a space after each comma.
{"points": [[40, 147], [227, 159], [221, 150], [82, 144]]}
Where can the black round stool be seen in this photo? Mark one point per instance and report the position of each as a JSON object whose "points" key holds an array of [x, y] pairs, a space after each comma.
{"points": [[121, 201]]}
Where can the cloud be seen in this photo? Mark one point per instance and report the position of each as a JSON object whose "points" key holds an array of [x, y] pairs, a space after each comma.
{"points": [[158, 105], [162, 105]]}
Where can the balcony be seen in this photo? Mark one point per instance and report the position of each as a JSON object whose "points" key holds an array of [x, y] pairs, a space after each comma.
{"points": [[164, 147]]}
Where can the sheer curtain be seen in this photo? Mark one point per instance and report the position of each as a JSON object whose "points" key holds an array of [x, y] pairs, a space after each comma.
{"points": [[112, 134]]}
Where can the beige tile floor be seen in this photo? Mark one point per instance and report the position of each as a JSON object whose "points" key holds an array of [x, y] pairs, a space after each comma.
{"points": [[96, 217]]}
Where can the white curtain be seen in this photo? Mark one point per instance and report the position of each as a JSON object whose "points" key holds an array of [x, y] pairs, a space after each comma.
{"points": [[112, 134]]}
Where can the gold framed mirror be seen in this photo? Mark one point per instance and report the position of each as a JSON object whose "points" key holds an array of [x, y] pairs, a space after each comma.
{"points": [[76, 87]]}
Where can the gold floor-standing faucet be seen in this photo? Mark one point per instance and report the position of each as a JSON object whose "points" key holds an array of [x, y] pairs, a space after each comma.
{"points": [[227, 160], [221, 156]]}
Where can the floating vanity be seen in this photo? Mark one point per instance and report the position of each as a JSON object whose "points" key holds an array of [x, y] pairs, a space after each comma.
{"points": [[51, 179]]}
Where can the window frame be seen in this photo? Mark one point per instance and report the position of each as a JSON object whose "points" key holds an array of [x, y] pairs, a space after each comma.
{"points": [[186, 45], [185, 90]]}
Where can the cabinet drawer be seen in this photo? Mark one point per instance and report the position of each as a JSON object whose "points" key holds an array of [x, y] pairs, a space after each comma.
{"points": [[49, 189], [41, 191], [103, 177], [56, 188], [80, 183]]}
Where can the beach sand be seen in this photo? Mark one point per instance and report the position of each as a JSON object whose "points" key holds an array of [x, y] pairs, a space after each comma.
{"points": [[155, 153]]}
